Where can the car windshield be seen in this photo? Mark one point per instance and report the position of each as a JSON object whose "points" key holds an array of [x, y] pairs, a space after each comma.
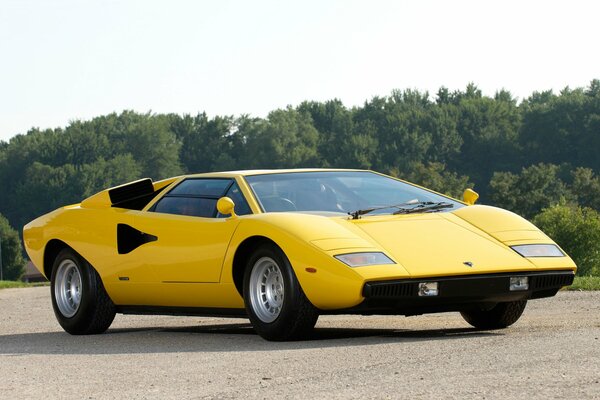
{"points": [[342, 192]]}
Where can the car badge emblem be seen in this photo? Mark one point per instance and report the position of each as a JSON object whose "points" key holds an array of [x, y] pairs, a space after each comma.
{"points": [[468, 263]]}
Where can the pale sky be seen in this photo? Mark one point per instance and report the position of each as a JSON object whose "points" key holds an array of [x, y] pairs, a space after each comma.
{"points": [[64, 60]]}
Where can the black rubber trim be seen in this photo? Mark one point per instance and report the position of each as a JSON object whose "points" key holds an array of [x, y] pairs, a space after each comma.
{"points": [[456, 293], [184, 311], [468, 285]]}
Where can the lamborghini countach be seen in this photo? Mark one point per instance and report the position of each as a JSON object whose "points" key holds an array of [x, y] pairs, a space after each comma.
{"points": [[282, 247]]}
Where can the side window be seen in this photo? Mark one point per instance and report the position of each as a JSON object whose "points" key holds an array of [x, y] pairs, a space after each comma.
{"points": [[241, 205], [206, 187], [192, 206], [194, 197]]}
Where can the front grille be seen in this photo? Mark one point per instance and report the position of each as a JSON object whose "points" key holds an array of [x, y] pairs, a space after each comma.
{"points": [[405, 289], [474, 286], [550, 281]]}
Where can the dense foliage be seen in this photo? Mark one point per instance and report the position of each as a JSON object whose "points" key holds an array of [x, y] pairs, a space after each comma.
{"points": [[578, 232], [12, 256], [525, 156]]}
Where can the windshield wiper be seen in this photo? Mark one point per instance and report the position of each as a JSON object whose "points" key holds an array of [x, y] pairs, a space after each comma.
{"points": [[425, 207], [420, 206], [356, 214]]}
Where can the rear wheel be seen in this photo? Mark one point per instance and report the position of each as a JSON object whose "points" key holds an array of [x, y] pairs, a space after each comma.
{"points": [[499, 316], [80, 303], [275, 302]]}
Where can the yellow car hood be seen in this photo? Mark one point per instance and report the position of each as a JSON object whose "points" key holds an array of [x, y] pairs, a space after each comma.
{"points": [[440, 244]]}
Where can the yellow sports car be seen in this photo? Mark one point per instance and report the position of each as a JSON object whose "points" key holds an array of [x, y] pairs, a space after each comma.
{"points": [[281, 247]]}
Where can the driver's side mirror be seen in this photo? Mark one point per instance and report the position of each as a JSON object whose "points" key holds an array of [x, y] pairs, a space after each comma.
{"points": [[226, 206], [470, 196]]}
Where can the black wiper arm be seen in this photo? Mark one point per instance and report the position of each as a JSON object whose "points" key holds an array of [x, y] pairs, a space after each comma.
{"points": [[356, 214], [424, 208]]}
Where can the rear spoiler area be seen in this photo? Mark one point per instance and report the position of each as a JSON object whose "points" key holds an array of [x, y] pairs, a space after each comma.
{"points": [[132, 195]]}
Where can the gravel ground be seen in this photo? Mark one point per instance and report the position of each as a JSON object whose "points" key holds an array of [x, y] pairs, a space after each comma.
{"points": [[553, 351]]}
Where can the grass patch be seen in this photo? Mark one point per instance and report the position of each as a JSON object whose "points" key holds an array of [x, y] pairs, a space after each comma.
{"points": [[19, 284], [585, 283]]}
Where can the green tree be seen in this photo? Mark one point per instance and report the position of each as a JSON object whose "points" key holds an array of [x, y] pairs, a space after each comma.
{"points": [[101, 174], [489, 128], [43, 189], [398, 124], [339, 144], [147, 137], [12, 258], [577, 230], [206, 144], [586, 187], [535, 188], [563, 128], [286, 139], [17, 156], [435, 176]]}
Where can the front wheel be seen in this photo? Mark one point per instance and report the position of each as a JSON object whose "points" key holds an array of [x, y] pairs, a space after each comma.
{"points": [[80, 303], [501, 315], [274, 300]]}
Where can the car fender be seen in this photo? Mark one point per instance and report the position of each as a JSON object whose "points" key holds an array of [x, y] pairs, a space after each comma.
{"points": [[317, 271]]}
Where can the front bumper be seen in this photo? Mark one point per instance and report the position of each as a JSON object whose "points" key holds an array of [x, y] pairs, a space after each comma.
{"points": [[456, 293]]}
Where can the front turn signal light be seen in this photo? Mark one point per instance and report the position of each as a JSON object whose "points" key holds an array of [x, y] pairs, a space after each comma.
{"points": [[364, 259]]}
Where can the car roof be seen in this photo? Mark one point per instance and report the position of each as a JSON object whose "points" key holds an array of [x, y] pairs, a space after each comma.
{"points": [[229, 174]]}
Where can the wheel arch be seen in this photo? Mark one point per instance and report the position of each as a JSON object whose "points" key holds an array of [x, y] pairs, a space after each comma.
{"points": [[53, 247], [241, 255]]}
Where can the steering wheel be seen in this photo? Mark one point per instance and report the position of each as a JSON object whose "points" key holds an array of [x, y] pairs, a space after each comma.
{"points": [[285, 202]]}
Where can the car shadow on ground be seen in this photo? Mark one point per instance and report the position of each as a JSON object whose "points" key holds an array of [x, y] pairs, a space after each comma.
{"points": [[214, 338]]}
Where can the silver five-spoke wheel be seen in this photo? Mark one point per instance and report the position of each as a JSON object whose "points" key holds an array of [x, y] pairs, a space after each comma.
{"points": [[266, 289], [67, 289]]}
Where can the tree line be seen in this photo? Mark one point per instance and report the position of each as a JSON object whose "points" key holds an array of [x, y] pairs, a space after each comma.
{"points": [[527, 156]]}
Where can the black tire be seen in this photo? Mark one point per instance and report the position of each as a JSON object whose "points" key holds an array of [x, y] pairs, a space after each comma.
{"points": [[500, 316], [95, 311], [297, 316]]}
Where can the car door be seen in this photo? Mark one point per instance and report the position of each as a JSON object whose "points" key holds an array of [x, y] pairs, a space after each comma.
{"points": [[188, 238]]}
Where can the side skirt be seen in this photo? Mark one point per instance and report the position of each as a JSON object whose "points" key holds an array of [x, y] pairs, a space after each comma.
{"points": [[184, 311]]}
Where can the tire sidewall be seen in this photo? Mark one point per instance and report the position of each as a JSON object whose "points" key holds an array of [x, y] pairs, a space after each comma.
{"points": [[292, 292], [88, 292], [501, 316]]}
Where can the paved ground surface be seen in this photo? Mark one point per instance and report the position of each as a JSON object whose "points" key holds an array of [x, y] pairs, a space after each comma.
{"points": [[552, 352]]}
